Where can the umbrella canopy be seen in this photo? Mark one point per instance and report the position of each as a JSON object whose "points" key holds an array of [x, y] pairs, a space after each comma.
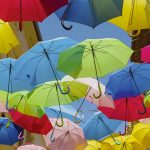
{"points": [[2, 108], [92, 58], [99, 126], [95, 11], [32, 124], [30, 147], [131, 81], [27, 10], [8, 40], [18, 101], [126, 109], [93, 145], [127, 143], [133, 11], [9, 132], [38, 65], [68, 112], [145, 54], [47, 94], [66, 137], [7, 74], [141, 132]]}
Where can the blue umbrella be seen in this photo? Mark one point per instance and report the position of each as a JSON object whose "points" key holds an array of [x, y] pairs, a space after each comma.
{"points": [[9, 132], [38, 65], [90, 12], [131, 81], [100, 126], [7, 81], [68, 111]]}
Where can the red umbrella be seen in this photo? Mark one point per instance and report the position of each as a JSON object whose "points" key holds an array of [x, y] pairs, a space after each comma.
{"points": [[126, 109], [28, 10], [32, 124]]}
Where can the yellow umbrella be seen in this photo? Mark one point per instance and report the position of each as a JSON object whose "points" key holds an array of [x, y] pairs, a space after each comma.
{"points": [[141, 132], [135, 16], [93, 145], [8, 40], [126, 143]]}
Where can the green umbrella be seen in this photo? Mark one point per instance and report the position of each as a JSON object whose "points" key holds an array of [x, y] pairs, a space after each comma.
{"points": [[94, 58], [18, 101], [47, 94]]}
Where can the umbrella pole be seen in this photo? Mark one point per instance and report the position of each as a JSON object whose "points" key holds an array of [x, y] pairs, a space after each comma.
{"points": [[8, 88], [65, 15], [60, 112], [75, 116], [49, 60], [99, 88], [125, 127], [108, 130], [131, 74]]}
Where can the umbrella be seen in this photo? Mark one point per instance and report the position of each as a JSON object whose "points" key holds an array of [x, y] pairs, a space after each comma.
{"points": [[99, 126], [133, 11], [68, 112], [27, 10], [32, 124], [126, 109], [95, 12], [93, 145], [127, 143], [18, 101], [38, 65], [145, 54], [141, 132], [92, 58], [131, 81], [7, 82], [52, 96], [30, 147], [104, 100], [9, 132], [8, 40], [66, 137]]}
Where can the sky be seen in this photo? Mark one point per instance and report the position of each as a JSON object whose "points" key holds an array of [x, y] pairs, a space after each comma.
{"points": [[51, 28]]}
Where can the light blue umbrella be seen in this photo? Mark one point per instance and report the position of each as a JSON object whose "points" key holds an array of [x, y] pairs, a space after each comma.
{"points": [[7, 81], [38, 65], [99, 126], [90, 12], [7, 74], [9, 132], [131, 81]]}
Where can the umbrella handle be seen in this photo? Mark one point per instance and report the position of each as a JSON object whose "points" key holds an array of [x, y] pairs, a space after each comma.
{"points": [[62, 92], [62, 122], [21, 136], [52, 138], [143, 112], [8, 124], [136, 34], [100, 93], [77, 120], [64, 26], [125, 130]]}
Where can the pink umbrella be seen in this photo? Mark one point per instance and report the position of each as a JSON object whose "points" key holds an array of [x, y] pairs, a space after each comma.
{"points": [[30, 147], [66, 137], [145, 54], [2, 108]]}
